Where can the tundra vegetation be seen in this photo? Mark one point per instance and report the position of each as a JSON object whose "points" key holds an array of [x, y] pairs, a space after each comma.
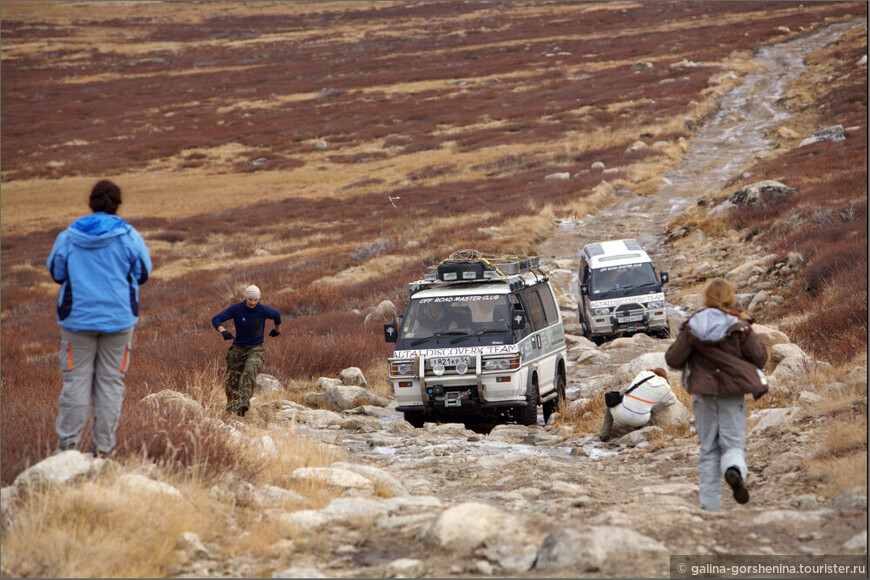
{"points": [[328, 152]]}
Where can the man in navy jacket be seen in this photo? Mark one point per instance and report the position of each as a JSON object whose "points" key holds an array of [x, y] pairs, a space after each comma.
{"points": [[100, 261], [248, 351]]}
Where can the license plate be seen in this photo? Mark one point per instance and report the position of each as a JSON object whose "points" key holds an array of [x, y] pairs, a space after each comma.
{"points": [[448, 361], [630, 319]]}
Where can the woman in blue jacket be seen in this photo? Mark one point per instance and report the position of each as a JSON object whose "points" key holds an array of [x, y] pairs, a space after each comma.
{"points": [[100, 261]]}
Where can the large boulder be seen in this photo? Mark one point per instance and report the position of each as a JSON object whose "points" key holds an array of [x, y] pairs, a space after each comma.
{"points": [[649, 360], [763, 193], [794, 366], [770, 336], [775, 419], [383, 312], [347, 397], [352, 376], [591, 549], [779, 352], [832, 133], [180, 405], [505, 538], [674, 416], [59, 469]]}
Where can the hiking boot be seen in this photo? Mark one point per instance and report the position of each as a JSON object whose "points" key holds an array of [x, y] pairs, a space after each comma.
{"points": [[242, 410], [101, 454], [735, 480]]}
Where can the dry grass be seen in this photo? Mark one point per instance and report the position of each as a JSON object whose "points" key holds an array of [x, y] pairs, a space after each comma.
{"points": [[101, 530]]}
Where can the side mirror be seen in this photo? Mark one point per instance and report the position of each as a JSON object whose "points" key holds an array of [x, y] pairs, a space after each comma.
{"points": [[518, 320], [664, 277], [584, 289], [390, 332]]}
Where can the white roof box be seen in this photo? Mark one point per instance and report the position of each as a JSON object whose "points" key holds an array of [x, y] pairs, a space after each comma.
{"points": [[614, 253]]}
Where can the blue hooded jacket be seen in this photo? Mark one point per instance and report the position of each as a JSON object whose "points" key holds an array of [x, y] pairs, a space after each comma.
{"points": [[99, 261]]}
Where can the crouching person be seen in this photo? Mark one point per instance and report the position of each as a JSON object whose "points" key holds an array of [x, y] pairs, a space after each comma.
{"points": [[648, 389]]}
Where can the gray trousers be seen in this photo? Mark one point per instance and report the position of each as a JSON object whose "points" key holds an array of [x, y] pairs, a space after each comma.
{"points": [[93, 365], [721, 426]]}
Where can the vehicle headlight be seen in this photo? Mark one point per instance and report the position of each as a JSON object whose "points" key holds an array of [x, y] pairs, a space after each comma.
{"points": [[656, 304], [438, 369], [462, 368], [502, 364], [602, 311], [400, 367]]}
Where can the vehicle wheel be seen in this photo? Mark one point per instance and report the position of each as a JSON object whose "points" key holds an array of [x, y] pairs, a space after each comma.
{"points": [[415, 418], [528, 415], [664, 333], [558, 403]]}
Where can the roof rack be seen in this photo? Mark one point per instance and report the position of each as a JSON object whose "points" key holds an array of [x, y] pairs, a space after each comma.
{"points": [[468, 266]]}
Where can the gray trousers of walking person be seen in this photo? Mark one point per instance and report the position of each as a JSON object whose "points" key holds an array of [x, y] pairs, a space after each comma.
{"points": [[721, 426], [93, 365]]}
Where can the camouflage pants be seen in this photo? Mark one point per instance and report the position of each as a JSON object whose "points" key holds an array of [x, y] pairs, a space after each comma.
{"points": [[243, 362]]}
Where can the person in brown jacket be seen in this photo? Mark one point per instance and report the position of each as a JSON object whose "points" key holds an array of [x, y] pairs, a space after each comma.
{"points": [[720, 356]]}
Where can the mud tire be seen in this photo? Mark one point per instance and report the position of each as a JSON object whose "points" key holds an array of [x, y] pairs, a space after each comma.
{"points": [[415, 418], [554, 405], [528, 415]]}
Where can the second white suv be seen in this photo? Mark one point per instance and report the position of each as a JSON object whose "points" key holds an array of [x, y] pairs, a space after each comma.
{"points": [[620, 293]]}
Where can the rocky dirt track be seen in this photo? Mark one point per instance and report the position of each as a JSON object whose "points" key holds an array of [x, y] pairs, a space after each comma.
{"points": [[545, 501]]}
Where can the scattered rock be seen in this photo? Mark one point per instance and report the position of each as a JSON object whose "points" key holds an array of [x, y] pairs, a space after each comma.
{"points": [[775, 419], [324, 383], [639, 436], [378, 476], [636, 146], [854, 499], [139, 484], [333, 476], [190, 542], [590, 549], [559, 176], [859, 540], [321, 144], [405, 568], [598, 166], [650, 360], [300, 572], [267, 383]]}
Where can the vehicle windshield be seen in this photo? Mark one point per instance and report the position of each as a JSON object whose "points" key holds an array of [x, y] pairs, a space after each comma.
{"points": [[626, 280], [455, 321]]}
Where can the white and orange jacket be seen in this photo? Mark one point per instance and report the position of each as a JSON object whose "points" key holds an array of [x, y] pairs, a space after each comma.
{"points": [[636, 406]]}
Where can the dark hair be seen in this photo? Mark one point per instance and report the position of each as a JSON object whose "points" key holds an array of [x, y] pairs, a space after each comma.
{"points": [[105, 196]]}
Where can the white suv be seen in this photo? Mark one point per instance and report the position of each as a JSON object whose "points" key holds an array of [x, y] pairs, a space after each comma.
{"points": [[481, 340], [620, 293]]}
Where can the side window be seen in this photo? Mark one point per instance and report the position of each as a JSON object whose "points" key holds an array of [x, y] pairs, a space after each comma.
{"points": [[550, 308], [527, 329], [536, 310], [583, 271]]}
